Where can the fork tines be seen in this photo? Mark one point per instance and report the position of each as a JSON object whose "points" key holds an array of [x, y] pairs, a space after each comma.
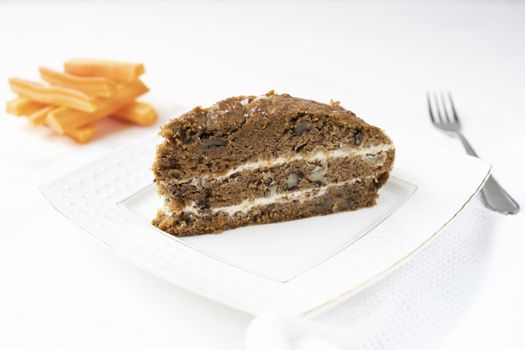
{"points": [[440, 111]]}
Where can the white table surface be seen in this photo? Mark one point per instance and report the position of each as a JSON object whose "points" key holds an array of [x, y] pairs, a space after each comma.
{"points": [[60, 289]]}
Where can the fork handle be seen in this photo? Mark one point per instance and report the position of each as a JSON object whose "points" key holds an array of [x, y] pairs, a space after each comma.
{"points": [[494, 196], [467, 146]]}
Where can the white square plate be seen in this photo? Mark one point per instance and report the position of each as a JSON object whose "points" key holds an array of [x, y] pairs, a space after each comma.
{"points": [[296, 266]]}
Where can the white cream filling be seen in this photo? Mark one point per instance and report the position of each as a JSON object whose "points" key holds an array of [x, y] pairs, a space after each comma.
{"points": [[342, 152], [300, 195], [247, 205]]}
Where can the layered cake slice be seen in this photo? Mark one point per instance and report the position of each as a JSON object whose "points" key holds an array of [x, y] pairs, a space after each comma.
{"points": [[254, 160]]}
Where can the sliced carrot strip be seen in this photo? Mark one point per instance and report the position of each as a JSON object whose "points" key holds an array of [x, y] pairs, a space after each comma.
{"points": [[82, 134], [39, 117], [137, 113], [96, 86], [119, 71], [64, 119], [23, 107], [53, 95]]}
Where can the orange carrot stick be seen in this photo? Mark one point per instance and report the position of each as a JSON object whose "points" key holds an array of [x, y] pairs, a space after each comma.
{"points": [[53, 95], [23, 107], [137, 113], [64, 119], [96, 86], [119, 71], [82, 134], [39, 117]]}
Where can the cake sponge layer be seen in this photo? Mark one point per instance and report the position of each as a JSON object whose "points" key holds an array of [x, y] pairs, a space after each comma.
{"points": [[246, 129]]}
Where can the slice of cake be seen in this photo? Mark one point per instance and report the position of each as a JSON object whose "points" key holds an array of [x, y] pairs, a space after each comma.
{"points": [[255, 160]]}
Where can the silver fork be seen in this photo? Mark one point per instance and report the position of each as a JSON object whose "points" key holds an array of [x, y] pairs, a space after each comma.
{"points": [[446, 119]]}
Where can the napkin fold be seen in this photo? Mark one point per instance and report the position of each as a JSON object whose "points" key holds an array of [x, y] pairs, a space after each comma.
{"points": [[415, 306]]}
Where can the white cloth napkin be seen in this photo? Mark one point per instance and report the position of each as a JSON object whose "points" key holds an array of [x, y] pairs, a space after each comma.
{"points": [[413, 307]]}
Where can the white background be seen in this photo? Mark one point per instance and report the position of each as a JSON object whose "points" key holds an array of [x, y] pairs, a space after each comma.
{"points": [[60, 289]]}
